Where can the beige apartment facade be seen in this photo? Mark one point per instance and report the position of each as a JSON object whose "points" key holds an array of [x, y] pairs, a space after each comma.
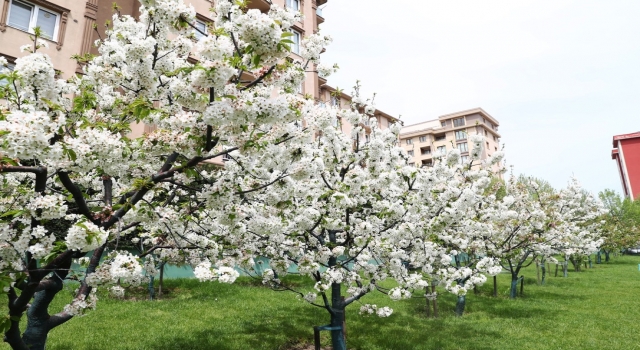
{"points": [[422, 141], [68, 26]]}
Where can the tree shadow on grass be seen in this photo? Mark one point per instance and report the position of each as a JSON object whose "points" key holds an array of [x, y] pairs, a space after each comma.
{"points": [[290, 325]]}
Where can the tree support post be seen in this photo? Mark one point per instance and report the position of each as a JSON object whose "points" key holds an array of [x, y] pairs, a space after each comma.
{"points": [[495, 286]]}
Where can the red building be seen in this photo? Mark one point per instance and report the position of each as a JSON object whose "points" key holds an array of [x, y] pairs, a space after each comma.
{"points": [[626, 153]]}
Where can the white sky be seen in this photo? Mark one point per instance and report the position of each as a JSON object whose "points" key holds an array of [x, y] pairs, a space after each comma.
{"points": [[560, 76]]}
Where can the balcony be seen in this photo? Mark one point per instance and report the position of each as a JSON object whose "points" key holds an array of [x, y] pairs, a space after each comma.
{"points": [[319, 16], [440, 137], [425, 151], [262, 5]]}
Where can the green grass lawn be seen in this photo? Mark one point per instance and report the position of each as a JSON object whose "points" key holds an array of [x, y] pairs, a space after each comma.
{"points": [[598, 308]]}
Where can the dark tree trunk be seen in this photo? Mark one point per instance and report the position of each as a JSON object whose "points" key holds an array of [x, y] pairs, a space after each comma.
{"points": [[606, 255], [544, 271], [161, 282], [495, 286], [337, 318], [599, 257], [435, 302], [39, 322], [338, 340], [513, 292], [460, 304], [428, 302], [152, 291]]}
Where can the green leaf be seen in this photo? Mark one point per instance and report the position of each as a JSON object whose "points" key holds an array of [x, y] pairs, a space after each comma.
{"points": [[256, 60], [5, 324], [7, 160], [13, 213]]}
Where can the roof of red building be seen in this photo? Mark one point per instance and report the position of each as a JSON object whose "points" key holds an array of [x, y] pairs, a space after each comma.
{"points": [[616, 138]]}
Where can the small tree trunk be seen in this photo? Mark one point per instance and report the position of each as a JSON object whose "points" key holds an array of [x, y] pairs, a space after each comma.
{"points": [[152, 291], [426, 290], [338, 340], [460, 304], [606, 256], [544, 271], [161, 282], [538, 273], [435, 303], [599, 257], [513, 292], [495, 286]]}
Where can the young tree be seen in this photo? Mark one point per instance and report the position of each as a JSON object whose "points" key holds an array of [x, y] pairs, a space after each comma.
{"points": [[70, 162], [337, 210], [621, 228], [450, 206]]}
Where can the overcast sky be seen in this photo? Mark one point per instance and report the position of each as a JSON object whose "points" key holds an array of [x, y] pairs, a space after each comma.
{"points": [[562, 77]]}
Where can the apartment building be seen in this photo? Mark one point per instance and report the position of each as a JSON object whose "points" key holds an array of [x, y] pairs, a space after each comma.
{"points": [[331, 97], [423, 140], [68, 26]]}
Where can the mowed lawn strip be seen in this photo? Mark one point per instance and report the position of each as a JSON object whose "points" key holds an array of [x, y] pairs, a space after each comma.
{"points": [[595, 308]]}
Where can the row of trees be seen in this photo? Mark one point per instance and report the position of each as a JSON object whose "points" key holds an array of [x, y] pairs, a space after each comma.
{"points": [[346, 209]]}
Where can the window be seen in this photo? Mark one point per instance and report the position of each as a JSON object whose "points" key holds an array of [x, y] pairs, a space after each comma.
{"points": [[487, 145], [463, 147], [409, 141], [334, 101], [25, 16], [202, 28], [443, 124], [423, 139], [442, 149], [495, 138], [483, 121], [411, 164], [495, 149], [425, 150], [458, 122], [295, 47], [367, 138], [461, 135], [300, 87], [427, 162], [410, 153], [440, 137], [10, 66], [293, 4], [464, 159]]}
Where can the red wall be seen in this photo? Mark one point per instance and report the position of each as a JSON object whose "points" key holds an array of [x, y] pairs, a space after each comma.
{"points": [[631, 151]]}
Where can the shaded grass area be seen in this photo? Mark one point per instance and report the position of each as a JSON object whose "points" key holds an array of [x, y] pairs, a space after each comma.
{"points": [[596, 308]]}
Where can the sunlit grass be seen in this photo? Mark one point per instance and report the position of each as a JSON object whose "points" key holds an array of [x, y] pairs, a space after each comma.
{"points": [[596, 308]]}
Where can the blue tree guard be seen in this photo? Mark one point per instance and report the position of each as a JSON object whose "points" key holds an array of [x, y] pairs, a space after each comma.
{"points": [[316, 333]]}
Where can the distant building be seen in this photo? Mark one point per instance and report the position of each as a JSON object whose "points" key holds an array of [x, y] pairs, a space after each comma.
{"points": [[626, 153], [422, 140]]}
